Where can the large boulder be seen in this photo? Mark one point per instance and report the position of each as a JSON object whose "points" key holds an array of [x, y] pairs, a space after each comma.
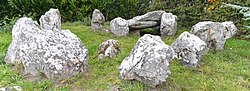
{"points": [[168, 24], [189, 49], [54, 53], [148, 61], [51, 20], [97, 21], [109, 48], [119, 27], [150, 19], [214, 33]]}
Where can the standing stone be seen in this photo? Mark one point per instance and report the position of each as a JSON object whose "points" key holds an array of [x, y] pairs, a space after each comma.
{"points": [[119, 27], [52, 52], [213, 33], [97, 21], [51, 20], [109, 48], [168, 24], [148, 61], [189, 49]]}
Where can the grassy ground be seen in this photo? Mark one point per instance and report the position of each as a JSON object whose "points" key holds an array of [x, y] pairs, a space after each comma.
{"points": [[226, 70]]}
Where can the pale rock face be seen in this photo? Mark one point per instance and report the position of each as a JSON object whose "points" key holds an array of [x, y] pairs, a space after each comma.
{"points": [[168, 24], [55, 53], [214, 33], [109, 48], [148, 20], [119, 27], [230, 29], [97, 21], [12, 88], [189, 49], [51, 20], [148, 61]]}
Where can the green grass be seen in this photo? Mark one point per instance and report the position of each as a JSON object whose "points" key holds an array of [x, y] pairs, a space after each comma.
{"points": [[226, 70]]}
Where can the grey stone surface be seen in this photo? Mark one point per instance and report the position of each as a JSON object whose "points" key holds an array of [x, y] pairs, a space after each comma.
{"points": [[148, 61], [97, 21], [12, 88], [230, 29], [55, 53], [109, 48], [51, 20], [189, 49], [214, 33], [148, 20], [168, 24], [119, 27]]}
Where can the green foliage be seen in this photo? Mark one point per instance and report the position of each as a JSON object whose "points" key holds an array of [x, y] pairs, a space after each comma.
{"points": [[121, 8], [71, 10]]}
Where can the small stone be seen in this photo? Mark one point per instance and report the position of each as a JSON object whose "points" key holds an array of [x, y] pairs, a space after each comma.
{"points": [[148, 61], [12, 88], [109, 48], [189, 49]]}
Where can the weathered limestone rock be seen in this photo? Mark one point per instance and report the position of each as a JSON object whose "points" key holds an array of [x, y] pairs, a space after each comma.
{"points": [[150, 19], [168, 24], [97, 20], [51, 20], [12, 88], [109, 48], [214, 33], [162, 22], [119, 26], [189, 49], [230, 29], [54, 53], [148, 61]]}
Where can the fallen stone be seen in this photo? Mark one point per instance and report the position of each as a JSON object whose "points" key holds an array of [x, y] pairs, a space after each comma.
{"points": [[119, 27], [214, 33], [189, 49], [109, 48], [148, 61], [168, 24], [52, 52], [97, 21]]}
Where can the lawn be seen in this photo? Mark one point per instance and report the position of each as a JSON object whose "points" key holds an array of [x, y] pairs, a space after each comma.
{"points": [[225, 70]]}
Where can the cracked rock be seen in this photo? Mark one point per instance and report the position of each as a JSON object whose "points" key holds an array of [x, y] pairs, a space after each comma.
{"points": [[214, 34], [148, 61], [189, 49], [109, 48], [50, 51]]}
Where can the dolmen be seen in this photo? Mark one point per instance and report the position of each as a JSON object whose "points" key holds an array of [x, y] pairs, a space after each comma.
{"points": [[165, 23]]}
